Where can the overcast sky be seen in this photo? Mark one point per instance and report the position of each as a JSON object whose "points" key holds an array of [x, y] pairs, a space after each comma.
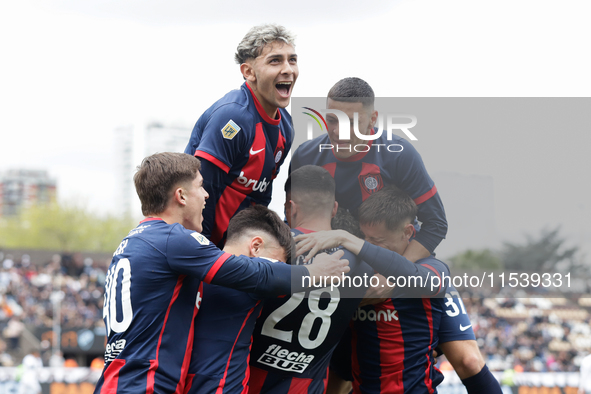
{"points": [[74, 70]]}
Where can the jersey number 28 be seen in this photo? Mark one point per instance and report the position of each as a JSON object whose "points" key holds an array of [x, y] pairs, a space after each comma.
{"points": [[306, 328]]}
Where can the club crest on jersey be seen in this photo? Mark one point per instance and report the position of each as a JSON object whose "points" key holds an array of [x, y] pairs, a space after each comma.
{"points": [[230, 130], [278, 156], [200, 238], [371, 183]]}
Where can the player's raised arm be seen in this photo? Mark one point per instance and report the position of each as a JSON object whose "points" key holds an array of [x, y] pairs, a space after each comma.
{"points": [[385, 262]]}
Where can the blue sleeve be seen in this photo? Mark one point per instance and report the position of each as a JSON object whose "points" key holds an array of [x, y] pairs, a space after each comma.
{"points": [[190, 253], [434, 223], [412, 177], [263, 278], [222, 136], [389, 263], [455, 322], [294, 164], [213, 182]]}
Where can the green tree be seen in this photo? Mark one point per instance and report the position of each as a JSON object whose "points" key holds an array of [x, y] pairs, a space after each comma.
{"points": [[67, 227], [543, 253], [477, 259]]}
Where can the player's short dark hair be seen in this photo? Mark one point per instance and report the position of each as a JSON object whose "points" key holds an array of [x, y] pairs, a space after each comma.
{"points": [[259, 218], [344, 220], [390, 205], [313, 187], [159, 174], [352, 90]]}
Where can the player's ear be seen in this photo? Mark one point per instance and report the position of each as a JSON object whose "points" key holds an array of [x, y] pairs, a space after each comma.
{"points": [[294, 212], [248, 71], [334, 209], [409, 230], [256, 246], [373, 118], [179, 196]]}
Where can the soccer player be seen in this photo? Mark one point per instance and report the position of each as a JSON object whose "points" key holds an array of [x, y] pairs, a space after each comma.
{"points": [[379, 216], [294, 337], [152, 285], [392, 342], [223, 330], [359, 175], [458, 343], [244, 137]]}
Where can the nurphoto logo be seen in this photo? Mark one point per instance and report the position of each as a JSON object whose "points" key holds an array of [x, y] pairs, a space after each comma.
{"points": [[345, 122]]}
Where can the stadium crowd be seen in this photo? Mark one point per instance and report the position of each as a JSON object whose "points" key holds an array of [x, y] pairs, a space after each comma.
{"points": [[27, 289], [529, 335]]}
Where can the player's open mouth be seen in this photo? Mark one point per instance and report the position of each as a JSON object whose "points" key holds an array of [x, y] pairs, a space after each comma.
{"points": [[284, 88]]}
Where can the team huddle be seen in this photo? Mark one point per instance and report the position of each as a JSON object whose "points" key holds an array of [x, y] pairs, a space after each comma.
{"points": [[214, 293]]}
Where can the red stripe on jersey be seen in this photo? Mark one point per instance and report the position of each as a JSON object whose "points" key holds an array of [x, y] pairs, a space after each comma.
{"points": [[214, 160], [325, 380], [216, 267], [355, 369], [149, 219], [189, 382], [368, 171], [299, 385], [247, 372], [279, 148], [304, 230], [330, 167], [150, 379], [426, 196], [391, 349], [257, 380], [222, 383], [184, 384], [429, 314], [436, 273], [242, 186], [261, 110], [154, 363], [111, 376]]}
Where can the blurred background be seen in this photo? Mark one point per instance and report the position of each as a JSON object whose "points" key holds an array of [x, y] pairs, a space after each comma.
{"points": [[90, 88]]}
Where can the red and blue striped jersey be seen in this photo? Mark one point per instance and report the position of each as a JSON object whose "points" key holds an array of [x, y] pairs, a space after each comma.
{"points": [[365, 173], [223, 336], [247, 146], [393, 342], [294, 337], [152, 295]]}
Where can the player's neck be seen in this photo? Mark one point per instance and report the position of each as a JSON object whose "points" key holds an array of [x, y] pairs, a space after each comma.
{"points": [[314, 224], [236, 250], [172, 216]]}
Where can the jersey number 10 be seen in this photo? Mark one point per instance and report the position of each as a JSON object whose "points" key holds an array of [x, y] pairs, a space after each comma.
{"points": [[112, 298]]}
